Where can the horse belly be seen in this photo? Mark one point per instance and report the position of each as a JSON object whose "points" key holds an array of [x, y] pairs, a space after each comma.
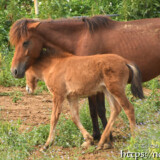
{"points": [[84, 85]]}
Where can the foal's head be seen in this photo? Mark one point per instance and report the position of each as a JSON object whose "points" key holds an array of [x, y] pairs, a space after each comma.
{"points": [[28, 46]]}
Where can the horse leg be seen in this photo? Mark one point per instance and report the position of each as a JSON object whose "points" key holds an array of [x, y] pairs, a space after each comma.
{"points": [[102, 110], [31, 82], [106, 135], [119, 95], [56, 110], [93, 113], [75, 117], [129, 110]]}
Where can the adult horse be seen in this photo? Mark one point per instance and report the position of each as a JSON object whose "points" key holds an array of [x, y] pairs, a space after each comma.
{"points": [[138, 41]]}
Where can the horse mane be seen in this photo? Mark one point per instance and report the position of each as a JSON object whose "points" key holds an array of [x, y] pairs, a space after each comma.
{"points": [[96, 22], [19, 28]]}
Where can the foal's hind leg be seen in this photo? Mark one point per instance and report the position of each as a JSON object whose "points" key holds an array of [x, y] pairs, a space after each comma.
{"points": [[105, 141], [56, 110], [119, 95], [75, 116], [128, 109]]}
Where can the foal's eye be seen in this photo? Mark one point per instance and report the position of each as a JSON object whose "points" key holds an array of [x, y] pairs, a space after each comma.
{"points": [[25, 44]]}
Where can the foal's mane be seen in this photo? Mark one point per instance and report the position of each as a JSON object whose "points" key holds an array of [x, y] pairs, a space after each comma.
{"points": [[19, 28], [51, 52]]}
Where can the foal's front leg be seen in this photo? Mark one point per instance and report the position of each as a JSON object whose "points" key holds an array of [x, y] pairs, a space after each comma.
{"points": [[75, 117], [56, 110]]}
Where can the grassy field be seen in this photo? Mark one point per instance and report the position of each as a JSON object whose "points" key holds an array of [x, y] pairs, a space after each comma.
{"points": [[146, 144]]}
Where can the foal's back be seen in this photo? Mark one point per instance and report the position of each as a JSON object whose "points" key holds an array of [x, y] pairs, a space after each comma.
{"points": [[86, 75]]}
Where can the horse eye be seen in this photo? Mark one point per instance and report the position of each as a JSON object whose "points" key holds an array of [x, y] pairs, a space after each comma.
{"points": [[25, 44]]}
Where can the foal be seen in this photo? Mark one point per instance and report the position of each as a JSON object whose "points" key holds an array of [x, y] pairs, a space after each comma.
{"points": [[69, 76]]}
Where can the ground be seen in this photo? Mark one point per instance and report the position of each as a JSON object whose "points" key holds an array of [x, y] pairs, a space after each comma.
{"points": [[33, 110]]}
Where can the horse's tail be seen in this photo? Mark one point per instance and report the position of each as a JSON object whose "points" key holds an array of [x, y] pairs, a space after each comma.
{"points": [[136, 81]]}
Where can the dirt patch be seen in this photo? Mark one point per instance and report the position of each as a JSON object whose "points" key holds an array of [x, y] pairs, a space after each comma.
{"points": [[32, 110]]}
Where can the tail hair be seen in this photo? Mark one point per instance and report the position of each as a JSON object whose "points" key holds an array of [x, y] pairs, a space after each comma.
{"points": [[136, 82]]}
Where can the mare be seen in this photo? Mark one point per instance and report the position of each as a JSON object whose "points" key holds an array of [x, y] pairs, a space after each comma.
{"points": [[138, 41], [71, 77]]}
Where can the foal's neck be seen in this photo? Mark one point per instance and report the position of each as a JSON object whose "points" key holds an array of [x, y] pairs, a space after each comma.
{"points": [[47, 60], [64, 35]]}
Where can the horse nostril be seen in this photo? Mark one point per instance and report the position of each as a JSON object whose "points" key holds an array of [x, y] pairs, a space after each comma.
{"points": [[15, 72]]}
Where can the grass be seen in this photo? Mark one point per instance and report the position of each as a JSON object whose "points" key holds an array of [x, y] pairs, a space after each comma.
{"points": [[16, 95]]}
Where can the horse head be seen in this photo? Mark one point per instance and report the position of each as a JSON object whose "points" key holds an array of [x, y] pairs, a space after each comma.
{"points": [[28, 46]]}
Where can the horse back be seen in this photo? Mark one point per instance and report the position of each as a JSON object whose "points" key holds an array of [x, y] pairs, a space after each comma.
{"points": [[137, 41]]}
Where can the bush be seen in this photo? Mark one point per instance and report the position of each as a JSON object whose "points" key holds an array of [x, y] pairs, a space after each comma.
{"points": [[138, 9], [12, 10]]}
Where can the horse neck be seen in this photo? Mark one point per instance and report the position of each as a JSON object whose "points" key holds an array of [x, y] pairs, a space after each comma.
{"points": [[63, 35]]}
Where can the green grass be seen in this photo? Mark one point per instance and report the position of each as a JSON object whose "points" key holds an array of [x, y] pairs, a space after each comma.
{"points": [[16, 95]]}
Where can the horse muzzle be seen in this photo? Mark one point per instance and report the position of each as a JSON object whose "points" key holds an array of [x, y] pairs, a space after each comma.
{"points": [[19, 71]]}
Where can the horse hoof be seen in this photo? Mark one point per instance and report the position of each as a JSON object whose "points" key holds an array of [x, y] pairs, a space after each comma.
{"points": [[86, 144], [99, 147], [44, 148], [107, 146]]}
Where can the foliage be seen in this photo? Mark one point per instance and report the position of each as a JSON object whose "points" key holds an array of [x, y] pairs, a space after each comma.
{"points": [[138, 9], [16, 95], [145, 142], [11, 10]]}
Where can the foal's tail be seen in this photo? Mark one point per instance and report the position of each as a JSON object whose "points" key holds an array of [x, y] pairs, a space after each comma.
{"points": [[136, 81]]}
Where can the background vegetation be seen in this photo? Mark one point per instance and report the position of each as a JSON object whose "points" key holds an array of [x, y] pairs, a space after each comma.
{"points": [[11, 10], [15, 145]]}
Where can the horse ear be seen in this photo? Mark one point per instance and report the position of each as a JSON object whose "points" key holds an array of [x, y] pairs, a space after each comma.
{"points": [[32, 25]]}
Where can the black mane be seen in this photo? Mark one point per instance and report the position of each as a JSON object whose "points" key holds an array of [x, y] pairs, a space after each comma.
{"points": [[96, 22]]}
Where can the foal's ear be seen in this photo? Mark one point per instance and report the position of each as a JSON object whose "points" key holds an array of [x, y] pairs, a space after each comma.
{"points": [[33, 25]]}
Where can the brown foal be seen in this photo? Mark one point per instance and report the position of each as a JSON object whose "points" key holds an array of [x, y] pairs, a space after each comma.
{"points": [[72, 77]]}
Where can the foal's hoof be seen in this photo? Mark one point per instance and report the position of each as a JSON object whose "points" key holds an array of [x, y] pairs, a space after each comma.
{"points": [[86, 144], [43, 149], [107, 146], [99, 147], [104, 146]]}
